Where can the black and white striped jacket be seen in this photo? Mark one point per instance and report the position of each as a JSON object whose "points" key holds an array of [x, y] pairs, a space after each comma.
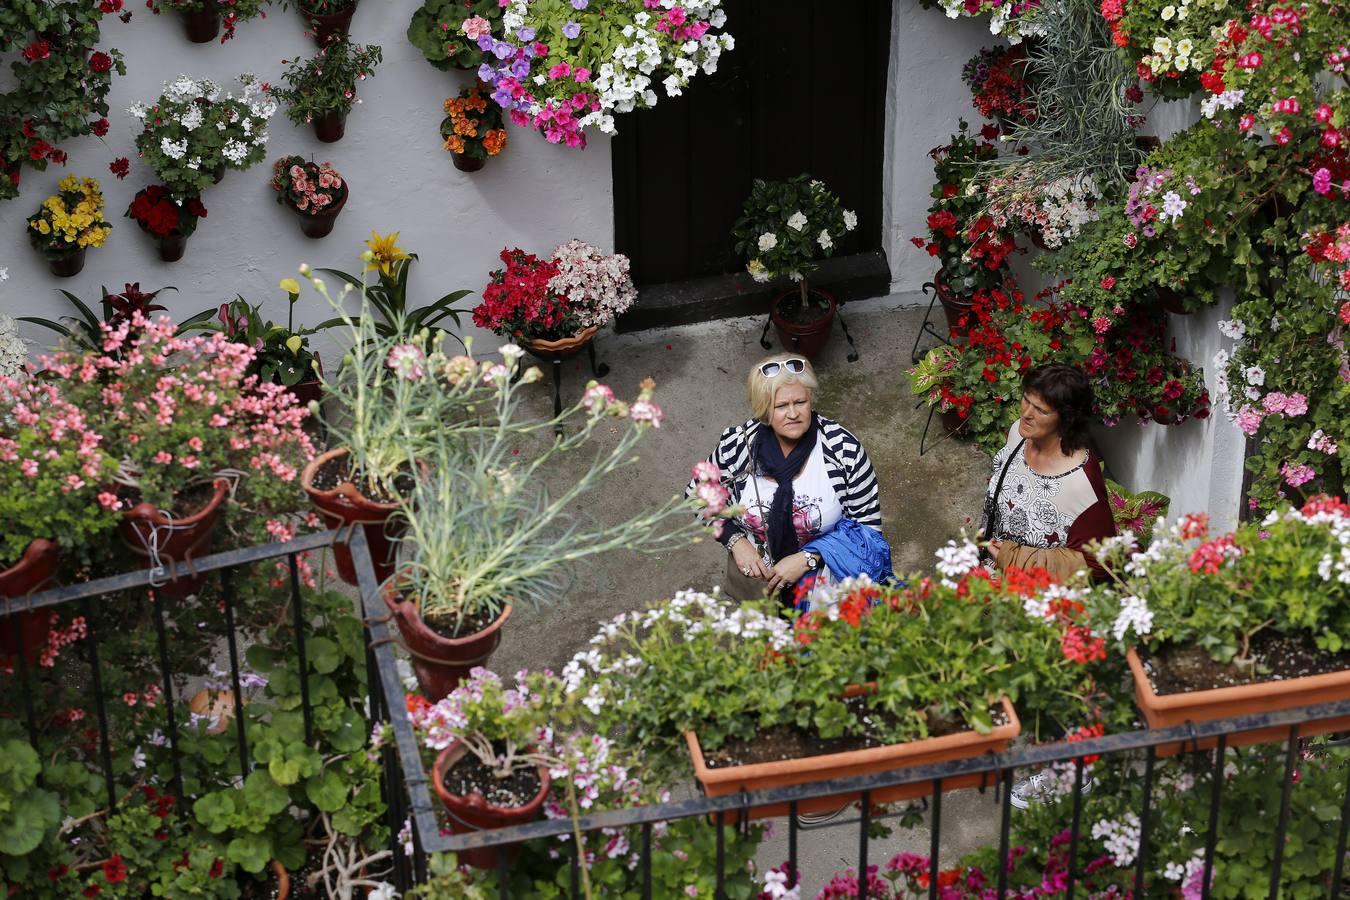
{"points": [[846, 462]]}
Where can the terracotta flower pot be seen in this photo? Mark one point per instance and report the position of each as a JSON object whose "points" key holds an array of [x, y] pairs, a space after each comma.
{"points": [[811, 769], [68, 263], [283, 880], [32, 573], [1169, 710], [171, 247], [806, 338], [202, 25], [467, 163], [330, 126], [473, 813], [564, 347], [345, 505], [329, 26], [309, 390], [440, 662], [1171, 301], [954, 307], [320, 224], [154, 536]]}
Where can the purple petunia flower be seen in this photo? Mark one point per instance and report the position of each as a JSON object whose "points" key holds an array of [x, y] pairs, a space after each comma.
{"points": [[503, 98], [520, 68], [525, 33], [485, 72], [485, 42], [580, 4], [503, 50], [571, 31]]}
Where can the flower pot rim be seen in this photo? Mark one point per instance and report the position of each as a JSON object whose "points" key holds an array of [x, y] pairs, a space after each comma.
{"points": [[807, 765], [345, 491], [1246, 692], [412, 613], [151, 513], [812, 325], [35, 553], [568, 343], [476, 801]]}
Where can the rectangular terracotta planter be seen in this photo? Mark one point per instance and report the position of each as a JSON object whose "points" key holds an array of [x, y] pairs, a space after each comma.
{"points": [[811, 769], [1169, 710]]}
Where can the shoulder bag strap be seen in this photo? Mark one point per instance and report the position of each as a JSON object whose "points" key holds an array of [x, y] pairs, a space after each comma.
{"points": [[998, 489]]}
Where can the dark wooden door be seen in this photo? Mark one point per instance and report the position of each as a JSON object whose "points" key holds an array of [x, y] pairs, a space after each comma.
{"points": [[803, 91]]}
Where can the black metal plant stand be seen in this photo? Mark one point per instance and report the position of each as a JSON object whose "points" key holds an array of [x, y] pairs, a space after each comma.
{"points": [[927, 326], [556, 357], [838, 314]]}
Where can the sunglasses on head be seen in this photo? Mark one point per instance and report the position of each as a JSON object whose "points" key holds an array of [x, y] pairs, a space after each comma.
{"points": [[794, 365]]}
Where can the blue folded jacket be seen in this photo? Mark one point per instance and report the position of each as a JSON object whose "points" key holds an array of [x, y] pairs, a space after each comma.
{"points": [[852, 549]]}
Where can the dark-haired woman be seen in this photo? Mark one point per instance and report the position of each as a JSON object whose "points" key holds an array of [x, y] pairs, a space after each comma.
{"points": [[1052, 499]]}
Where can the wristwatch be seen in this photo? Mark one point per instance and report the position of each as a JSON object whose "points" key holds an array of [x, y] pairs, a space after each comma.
{"points": [[812, 560]]}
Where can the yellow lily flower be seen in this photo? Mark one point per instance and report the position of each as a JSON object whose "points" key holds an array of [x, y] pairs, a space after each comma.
{"points": [[384, 252]]}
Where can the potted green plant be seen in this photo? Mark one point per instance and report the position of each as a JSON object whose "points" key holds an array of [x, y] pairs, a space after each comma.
{"points": [[86, 331], [1251, 621], [322, 89], [68, 223], [785, 228], [473, 128], [315, 192], [457, 580], [202, 18], [447, 31]]}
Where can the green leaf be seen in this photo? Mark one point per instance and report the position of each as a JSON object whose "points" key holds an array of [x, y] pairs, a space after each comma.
{"points": [[327, 791]]}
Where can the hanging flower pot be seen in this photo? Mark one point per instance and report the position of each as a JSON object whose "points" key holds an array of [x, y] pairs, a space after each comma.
{"points": [[805, 337], [330, 126], [218, 174], [163, 538], [202, 25], [171, 247], [564, 347], [32, 573], [953, 307], [328, 26], [442, 662], [65, 265], [466, 163], [474, 813], [342, 504], [1171, 301], [320, 224]]}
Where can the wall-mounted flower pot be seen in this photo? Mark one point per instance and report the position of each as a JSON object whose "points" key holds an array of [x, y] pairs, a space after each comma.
{"points": [[161, 539], [218, 174], [171, 247], [806, 338], [67, 264], [1169, 710], [718, 782], [330, 126], [344, 505], [954, 307], [1171, 301], [320, 224], [466, 163], [474, 813], [202, 25], [441, 662], [32, 573], [329, 26]]}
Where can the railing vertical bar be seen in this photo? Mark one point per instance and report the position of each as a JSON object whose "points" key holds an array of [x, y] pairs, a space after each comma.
{"points": [[100, 702], [933, 839], [1077, 823], [720, 892], [864, 824], [1004, 832], [21, 659], [576, 870], [504, 873], [646, 861], [792, 843], [174, 753], [227, 588], [1286, 789], [1141, 864], [297, 604], [1338, 877], [1216, 791]]}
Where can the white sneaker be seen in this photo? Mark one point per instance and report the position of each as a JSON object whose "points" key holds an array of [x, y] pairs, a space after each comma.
{"points": [[1042, 786], [808, 820]]}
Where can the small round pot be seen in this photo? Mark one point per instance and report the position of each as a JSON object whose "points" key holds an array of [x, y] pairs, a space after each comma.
{"points": [[171, 247], [345, 505], [32, 573], [562, 348], [467, 163], [1171, 301], [807, 338], [439, 662], [318, 225], [330, 126], [174, 539], [473, 813], [953, 306], [202, 25], [327, 27], [68, 263]]}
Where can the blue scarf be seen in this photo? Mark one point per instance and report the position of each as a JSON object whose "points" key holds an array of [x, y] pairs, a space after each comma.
{"points": [[772, 464]]}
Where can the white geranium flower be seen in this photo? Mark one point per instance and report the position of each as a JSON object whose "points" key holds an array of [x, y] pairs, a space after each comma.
{"points": [[173, 150], [797, 221], [850, 220], [1255, 375], [767, 241], [824, 239]]}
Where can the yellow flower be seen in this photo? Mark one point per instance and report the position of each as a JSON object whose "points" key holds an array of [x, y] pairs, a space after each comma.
{"points": [[384, 252], [43, 227], [290, 285]]}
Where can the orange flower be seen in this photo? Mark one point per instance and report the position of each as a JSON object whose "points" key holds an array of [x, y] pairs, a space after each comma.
{"points": [[466, 127], [476, 103], [494, 141], [454, 143]]}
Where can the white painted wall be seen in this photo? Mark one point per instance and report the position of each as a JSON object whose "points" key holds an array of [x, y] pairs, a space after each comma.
{"points": [[534, 195]]}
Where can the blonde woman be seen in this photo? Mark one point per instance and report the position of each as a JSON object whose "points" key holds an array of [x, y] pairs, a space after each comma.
{"points": [[807, 489]]}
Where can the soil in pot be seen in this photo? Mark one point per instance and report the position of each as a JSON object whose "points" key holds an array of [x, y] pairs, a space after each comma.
{"points": [[277, 884], [339, 469], [187, 502], [468, 776], [783, 742], [1177, 670], [445, 625]]}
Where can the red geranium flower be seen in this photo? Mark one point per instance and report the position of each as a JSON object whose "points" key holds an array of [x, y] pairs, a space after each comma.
{"points": [[37, 50], [100, 62], [120, 167], [115, 870], [100, 128]]}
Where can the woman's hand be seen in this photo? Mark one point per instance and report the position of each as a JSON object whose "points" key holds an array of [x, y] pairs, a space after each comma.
{"points": [[788, 571], [994, 547], [748, 561]]}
